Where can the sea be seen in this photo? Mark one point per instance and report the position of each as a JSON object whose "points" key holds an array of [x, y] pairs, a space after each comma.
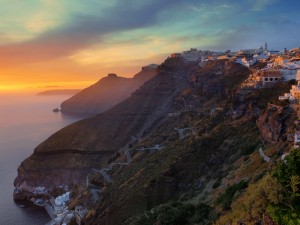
{"points": [[25, 121]]}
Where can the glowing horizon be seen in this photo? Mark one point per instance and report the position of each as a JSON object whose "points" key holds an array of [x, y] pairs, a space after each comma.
{"points": [[83, 42], [37, 87]]}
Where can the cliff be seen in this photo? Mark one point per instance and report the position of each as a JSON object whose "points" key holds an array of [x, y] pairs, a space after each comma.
{"points": [[197, 177], [182, 149], [106, 93], [68, 156]]}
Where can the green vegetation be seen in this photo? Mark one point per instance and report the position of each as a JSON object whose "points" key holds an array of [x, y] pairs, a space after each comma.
{"points": [[248, 139], [228, 196], [288, 176], [175, 213], [277, 194], [251, 205]]}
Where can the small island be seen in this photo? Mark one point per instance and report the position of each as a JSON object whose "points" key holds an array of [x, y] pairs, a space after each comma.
{"points": [[56, 110], [59, 92]]}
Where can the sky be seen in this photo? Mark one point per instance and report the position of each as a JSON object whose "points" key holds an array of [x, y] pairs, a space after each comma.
{"points": [[73, 43]]}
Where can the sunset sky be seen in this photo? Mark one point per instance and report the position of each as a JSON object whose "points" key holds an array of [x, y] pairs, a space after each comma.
{"points": [[73, 43]]}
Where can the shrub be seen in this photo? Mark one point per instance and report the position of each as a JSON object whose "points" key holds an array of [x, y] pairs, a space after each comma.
{"points": [[288, 175], [253, 202], [178, 213], [217, 183], [226, 198], [284, 216]]}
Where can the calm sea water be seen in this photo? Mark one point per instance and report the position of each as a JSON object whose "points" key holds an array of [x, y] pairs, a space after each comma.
{"points": [[25, 121]]}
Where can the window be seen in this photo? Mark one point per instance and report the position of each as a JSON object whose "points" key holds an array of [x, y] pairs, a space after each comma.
{"points": [[266, 79], [271, 79]]}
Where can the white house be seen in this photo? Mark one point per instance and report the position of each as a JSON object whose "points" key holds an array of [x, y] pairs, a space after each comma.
{"points": [[286, 96], [295, 91], [296, 139], [293, 95], [269, 76], [245, 61], [262, 56], [60, 203]]}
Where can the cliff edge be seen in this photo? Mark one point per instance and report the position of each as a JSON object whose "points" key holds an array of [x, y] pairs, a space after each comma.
{"points": [[106, 93]]}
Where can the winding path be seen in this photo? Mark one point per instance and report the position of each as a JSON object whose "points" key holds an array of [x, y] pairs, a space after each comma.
{"points": [[160, 112], [262, 154]]}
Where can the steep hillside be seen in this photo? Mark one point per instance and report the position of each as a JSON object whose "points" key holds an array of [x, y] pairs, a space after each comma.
{"points": [[198, 176], [89, 143], [183, 149], [106, 93]]}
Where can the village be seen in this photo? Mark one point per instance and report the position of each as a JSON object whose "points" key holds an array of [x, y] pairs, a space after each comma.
{"points": [[277, 65], [268, 67]]}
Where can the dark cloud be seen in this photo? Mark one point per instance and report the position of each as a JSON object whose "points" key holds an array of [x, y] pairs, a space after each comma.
{"points": [[85, 30], [234, 25]]}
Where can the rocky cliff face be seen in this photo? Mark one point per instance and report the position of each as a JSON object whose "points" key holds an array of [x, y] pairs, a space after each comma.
{"points": [[270, 124], [215, 78], [106, 93], [68, 156], [216, 149], [219, 151], [275, 122], [182, 167]]}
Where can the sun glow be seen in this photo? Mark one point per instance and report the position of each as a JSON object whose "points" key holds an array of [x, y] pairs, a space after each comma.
{"points": [[37, 87]]}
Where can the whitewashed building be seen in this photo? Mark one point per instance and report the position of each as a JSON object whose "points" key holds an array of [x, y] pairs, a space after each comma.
{"points": [[262, 56], [295, 91], [60, 202], [269, 76], [245, 61], [293, 95], [286, 96]]}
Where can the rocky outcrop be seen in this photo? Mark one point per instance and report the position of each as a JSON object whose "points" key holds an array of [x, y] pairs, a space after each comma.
{"points": [[106, 93], [218, 77], [271, 123]]}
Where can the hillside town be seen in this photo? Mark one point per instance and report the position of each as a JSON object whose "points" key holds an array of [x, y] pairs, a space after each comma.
{"points": [[267, 66]]}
